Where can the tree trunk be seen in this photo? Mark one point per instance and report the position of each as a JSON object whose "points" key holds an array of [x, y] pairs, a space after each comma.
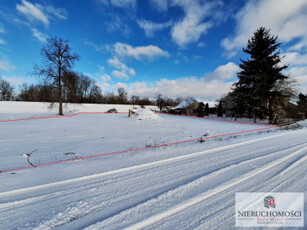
{"points": [[60, 93], [270, 111]]}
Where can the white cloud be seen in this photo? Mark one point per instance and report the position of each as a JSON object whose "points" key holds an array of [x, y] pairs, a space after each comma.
{"points": [[119, 3], [201, 45], [285, 18], [297, 68], [151, 27], [199, 17], [120, 85], [2, 31], [116, 63], [57, 12], [140, 52], [301, 45], [6, 66], [160, 5], [124, 72], [37, 12], [132, 72], [32, 12], [182, 87], [88, 75], [14, 80], [39, 35], [120, 74], [294, 58], [210, 87], [117, 24], [106, 78], [192, 26], [224, 72], [299, 73], [104, 85], [97, 47]]}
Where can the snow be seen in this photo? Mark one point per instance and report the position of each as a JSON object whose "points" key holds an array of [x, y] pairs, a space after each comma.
{"points": [[10, 110], [186, 104], [211, 104], [183, 105], [184, 186], [145, 114]]}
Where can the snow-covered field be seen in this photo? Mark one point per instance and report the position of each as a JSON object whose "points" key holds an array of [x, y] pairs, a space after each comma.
{"points": [[10, 110], [184, 186]]}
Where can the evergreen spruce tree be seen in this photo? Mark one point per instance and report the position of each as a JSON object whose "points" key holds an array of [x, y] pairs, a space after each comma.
{"points": [[220, 109], [201, 110], [207, 109], [302, 105], [256, 89]]}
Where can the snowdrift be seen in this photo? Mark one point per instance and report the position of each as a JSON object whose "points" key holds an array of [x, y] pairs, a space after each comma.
{"points": [[145, 114]]}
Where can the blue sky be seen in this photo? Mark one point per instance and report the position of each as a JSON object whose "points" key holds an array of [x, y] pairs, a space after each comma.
{"points": [[175, 47]]}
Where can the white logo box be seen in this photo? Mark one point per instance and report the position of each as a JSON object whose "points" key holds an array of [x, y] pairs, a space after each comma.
{"points": [[269, 209]]}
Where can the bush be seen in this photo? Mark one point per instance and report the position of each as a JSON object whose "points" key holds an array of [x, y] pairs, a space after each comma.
{"points": [[112, 111]]}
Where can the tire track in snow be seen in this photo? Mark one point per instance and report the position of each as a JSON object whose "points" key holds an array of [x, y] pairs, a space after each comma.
{"points": [[294, 165], [172, 160], [123, 170], [274, 180], [180, 207], [170, 189], [71, 191]]}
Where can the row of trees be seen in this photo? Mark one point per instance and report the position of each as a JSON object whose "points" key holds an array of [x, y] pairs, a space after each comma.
{"points": [[75, 89], [79, 88]]}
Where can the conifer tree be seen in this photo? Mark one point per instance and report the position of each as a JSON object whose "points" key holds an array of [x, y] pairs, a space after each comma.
{"points": [[207, 109], [260, 75], [220, 109]]}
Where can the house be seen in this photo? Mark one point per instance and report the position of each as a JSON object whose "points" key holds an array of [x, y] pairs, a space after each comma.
{"points": [[193, 108], [212, 106], [185, 108]]}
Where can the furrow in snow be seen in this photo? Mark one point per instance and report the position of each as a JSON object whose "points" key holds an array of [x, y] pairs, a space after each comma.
{"points": [[182, 206], [180, 186]]}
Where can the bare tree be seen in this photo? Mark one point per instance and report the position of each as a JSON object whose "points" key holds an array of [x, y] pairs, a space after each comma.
{"points": [[122, 95], [57, 59], [159, 101], [6, 90], [134, 99]]}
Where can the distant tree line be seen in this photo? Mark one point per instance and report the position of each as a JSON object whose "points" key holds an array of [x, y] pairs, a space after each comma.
{"points": [[79, 88]]}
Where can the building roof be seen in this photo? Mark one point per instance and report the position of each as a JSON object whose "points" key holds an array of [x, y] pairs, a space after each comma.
{"points": [[186, 104], [183, 105], [212, 104]]}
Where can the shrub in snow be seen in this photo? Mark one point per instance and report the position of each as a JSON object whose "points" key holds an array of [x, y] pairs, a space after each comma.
{"points": [[112, 111]]}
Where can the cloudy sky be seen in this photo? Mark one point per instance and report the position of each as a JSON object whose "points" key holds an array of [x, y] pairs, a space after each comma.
{"points": [[175, 47]]}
